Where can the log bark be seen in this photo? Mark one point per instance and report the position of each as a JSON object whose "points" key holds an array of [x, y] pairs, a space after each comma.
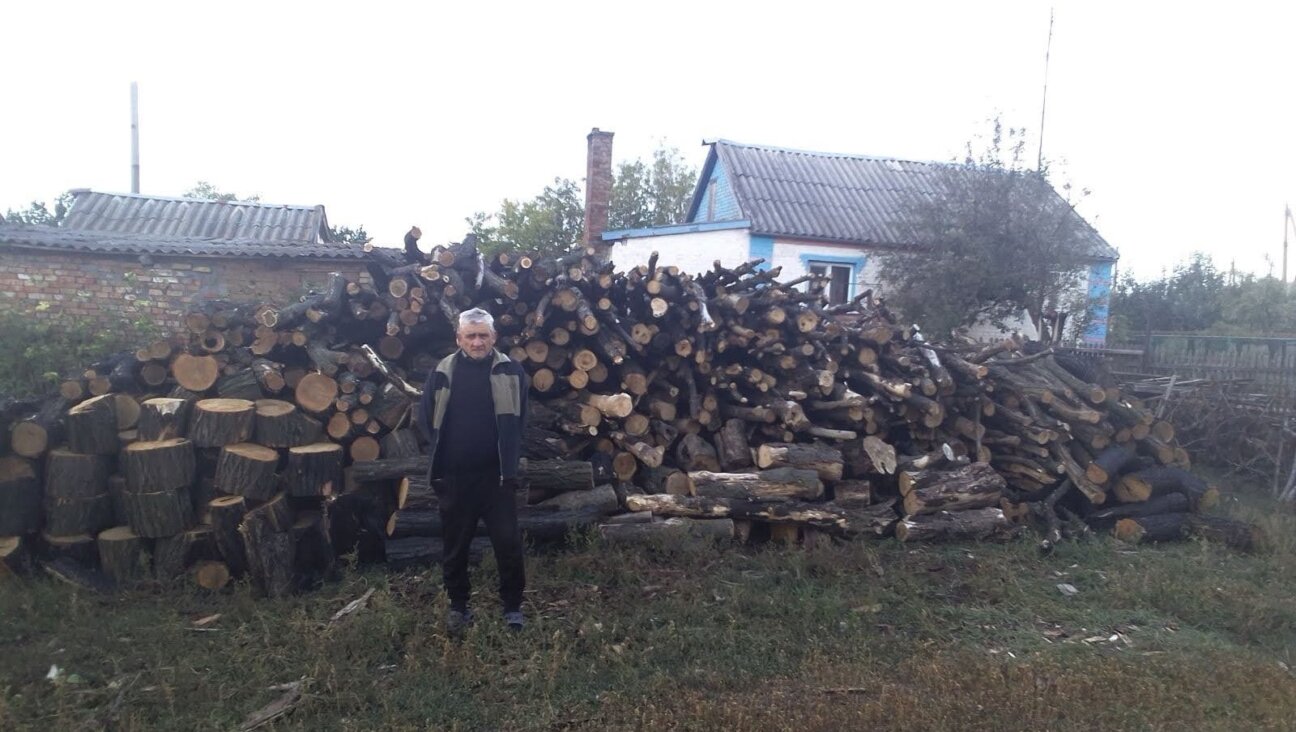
{"points": [[313, 558], [1108, 464], [825, 460], [1105, 519], [982, 524], [972, 486], [281, 424], [1162, 480], [227, 514], [122, 555], [64, 516], [669, 532], [694, 453], [1179, 526], [809, 514], [219, 422], [269, 547], [164, 465], [74, 475], [601, 499], [163, 418], [732, 448], [174, 554], [160, 513], [314, 470], [551, 477], [92, 426], [20, 497], [247, 469], [775, 484], [79, 548], [376, 471]]}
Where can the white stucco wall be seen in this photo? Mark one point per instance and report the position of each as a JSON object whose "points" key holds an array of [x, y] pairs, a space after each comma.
{"points": [[692, 252], [788, 254]]}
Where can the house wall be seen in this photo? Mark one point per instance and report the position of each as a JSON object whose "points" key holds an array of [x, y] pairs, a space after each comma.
{"points": [[104, 290], [692, 252], [718, 200]]}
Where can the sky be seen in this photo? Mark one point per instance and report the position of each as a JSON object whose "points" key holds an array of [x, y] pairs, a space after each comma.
{"points": [[1176, 117]]}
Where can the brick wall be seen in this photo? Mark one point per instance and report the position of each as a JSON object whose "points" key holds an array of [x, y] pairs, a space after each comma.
{"points": [[106, 289]]}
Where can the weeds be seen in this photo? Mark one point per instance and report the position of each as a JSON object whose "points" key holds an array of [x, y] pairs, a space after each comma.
{"points": [[883, 635]]}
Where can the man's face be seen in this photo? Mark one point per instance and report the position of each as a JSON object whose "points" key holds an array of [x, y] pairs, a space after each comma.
{"points": [[476, 339]]}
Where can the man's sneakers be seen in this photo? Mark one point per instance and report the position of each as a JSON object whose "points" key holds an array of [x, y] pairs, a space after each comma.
{"points": [[458, 620]]}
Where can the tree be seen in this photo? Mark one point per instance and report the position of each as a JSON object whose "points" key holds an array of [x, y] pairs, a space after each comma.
{"points": [[652, 194], [644, 193], [39, 213], [549, 224], [994, 239], [205, 190], [347, 235]]}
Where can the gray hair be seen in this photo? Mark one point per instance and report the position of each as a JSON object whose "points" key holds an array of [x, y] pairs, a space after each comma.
{"points": [[476, 315]]}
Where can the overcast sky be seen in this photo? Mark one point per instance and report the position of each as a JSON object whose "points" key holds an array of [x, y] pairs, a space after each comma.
{"points": [[1178, 117]]}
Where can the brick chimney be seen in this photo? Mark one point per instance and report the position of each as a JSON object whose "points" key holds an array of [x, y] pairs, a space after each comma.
{"points": [[598, 187]]}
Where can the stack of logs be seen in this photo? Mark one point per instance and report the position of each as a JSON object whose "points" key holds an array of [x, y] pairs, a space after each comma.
{"points": [[266, 440]]}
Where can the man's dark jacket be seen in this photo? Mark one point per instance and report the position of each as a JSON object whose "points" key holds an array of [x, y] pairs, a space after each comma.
{"points": [[509, 386]]}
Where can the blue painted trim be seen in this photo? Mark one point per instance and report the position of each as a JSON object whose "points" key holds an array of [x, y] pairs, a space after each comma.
{"points": [[1100, 282], [857, 264], [761, 247], [674, 229]]}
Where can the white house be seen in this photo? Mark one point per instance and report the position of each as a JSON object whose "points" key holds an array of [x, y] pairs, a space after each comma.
{"points": [[824, 213]]}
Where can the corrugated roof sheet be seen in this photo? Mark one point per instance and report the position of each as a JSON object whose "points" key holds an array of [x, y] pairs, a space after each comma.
{"points": [[848, 198], [188, 218], [61, 238], [116, 223]]}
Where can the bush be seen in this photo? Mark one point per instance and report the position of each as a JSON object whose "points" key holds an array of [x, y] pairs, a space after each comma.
{"points": [[36, 354]]}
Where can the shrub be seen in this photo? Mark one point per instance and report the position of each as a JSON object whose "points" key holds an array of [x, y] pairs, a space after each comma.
{"points": [[36, 354]]}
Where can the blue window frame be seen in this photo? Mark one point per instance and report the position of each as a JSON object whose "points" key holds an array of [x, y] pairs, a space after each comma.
{"points": [[843, 272]]}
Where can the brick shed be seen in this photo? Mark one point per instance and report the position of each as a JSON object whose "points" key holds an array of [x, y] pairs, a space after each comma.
{"points": [[130, 257]]}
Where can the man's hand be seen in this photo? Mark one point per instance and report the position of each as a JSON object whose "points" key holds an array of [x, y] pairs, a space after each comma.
{"points": [[511, 484]]}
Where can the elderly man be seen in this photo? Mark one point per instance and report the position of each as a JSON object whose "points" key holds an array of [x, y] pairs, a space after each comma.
{"points": [[474, 407]]}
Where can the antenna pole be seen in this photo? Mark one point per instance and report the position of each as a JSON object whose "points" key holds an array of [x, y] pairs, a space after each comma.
{"points": [[135, 165], [1039, 160]]}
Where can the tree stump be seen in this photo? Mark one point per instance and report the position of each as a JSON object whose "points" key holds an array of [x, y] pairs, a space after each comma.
{"points": [[281, 424], [127, 410], [92, 426], [220, 422], [226, 515], [121, 554], [163, 418], [74, 475], [77, 547], [164, 465], [270, 551], [174, 554], [247, 469], [15, 555], [160, 513], [65, 516], [314, 470], [20, 497]]}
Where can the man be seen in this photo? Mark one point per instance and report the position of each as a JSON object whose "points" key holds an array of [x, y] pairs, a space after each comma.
{"points": [[473, 410]]}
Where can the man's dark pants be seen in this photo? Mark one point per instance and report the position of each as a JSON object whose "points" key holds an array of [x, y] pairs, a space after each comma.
{"points": [[466, 499]]}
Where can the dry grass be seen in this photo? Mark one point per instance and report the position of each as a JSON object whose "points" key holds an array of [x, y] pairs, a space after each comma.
{"points": [[892, 637]]}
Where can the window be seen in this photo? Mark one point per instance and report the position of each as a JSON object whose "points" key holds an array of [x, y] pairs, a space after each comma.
{"points": [[838, 285]]}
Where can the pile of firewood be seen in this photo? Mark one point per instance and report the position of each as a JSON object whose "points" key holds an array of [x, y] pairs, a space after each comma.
{"points": [[266, 441]]}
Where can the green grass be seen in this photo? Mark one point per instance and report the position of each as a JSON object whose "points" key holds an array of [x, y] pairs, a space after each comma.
{"points": [[1190, 636]]}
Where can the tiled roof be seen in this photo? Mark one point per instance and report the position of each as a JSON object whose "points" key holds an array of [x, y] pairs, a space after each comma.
{"points": [[186, 218], [847, 198], [57, 237], [133, 224]]}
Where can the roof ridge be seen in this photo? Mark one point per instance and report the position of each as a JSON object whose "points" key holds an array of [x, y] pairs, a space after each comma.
{"points": [[186, 199], [822, 154]]}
